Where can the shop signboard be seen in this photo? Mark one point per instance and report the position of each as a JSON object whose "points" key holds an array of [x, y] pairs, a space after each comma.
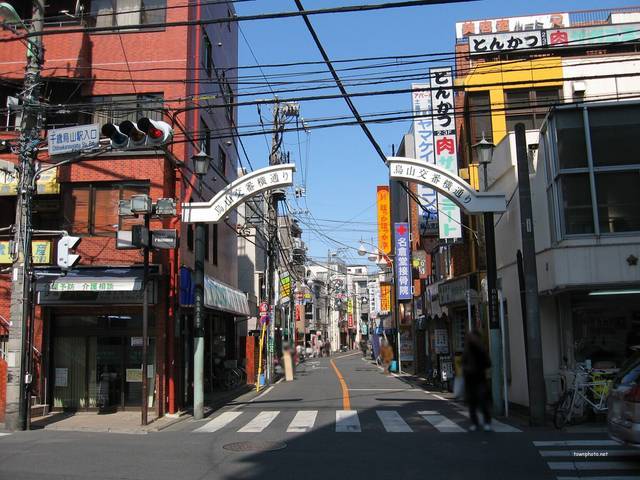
{"points": [[47, 183], [454, 291], [598, 34], [406, 345], [285, 286], [419, 262], [440, 340], [511, 24], [384, 219], [40, 252], [402, 263], [444, 134], [423, 144], [506, 42], [385, 297]]}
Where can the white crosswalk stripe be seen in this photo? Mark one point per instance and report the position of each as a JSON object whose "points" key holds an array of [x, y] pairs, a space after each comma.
{"points": [[2, 434], [219, 422], [495, 424], [393, 422], [260, 422], [347, 421], [442, 423], [303, 421]]}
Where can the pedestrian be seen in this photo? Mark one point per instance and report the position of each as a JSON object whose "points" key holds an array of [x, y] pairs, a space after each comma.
{"points": [[327, 348], [386, 355], [320, 347], [475, 362]]}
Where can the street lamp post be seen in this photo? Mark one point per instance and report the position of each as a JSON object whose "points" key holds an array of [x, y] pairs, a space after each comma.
{"points": [[201, 162], [484, 150]]}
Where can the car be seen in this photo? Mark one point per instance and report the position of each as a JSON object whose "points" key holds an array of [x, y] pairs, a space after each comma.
{"points": [[623, 415]]}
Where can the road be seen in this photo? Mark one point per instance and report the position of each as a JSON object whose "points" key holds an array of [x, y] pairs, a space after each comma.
{"points": [[367, 425]]}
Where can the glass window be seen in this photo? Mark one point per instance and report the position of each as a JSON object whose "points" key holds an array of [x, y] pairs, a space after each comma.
{"points": [[614, 135], [576, 203], [529, 106], [109, 13], [118, 108], [207, 58], [222, 160], [572, 146], [93, 209], [618, 201]]}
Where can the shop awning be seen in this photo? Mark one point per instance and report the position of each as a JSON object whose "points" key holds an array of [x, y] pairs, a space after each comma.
{"points": [[217, 295]]}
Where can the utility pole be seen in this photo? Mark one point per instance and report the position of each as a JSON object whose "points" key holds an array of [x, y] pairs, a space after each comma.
{"points": [[535, 373], [19, 378]]}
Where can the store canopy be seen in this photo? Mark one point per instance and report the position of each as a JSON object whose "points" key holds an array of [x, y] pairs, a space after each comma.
{"points": [[217, 295]]}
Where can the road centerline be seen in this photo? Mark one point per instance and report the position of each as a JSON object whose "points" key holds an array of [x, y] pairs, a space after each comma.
{"points": [[346, 402]]}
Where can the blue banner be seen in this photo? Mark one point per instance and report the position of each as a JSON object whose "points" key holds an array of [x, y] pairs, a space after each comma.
{"points": [[402, 261]]}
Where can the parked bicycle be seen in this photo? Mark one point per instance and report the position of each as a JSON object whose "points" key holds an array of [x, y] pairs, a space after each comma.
{"points": [[589, 389], [234, 376]]}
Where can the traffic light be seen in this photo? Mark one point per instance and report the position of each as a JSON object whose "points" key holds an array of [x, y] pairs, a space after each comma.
{"points": [[143, 133], [66, 257]]}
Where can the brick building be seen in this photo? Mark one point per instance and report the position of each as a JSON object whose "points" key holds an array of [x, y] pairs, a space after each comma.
{"points": [[88, 344]]}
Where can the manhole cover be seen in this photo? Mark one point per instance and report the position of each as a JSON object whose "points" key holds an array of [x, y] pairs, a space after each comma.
{"points": [[254, 446]]}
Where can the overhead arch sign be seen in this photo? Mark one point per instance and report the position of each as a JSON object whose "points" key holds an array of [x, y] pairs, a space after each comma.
{"points": [[447, 184], [237, 192]]}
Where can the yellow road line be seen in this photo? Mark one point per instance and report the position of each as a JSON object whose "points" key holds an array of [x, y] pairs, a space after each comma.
{"points": [[346, 402]]}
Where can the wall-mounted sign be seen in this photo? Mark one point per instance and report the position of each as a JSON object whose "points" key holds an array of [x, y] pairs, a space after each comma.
{"points": [[402, 263], [47, 183], [506, 42], [237, 192], [419, 262], [166, 239], [73, 139], [385, 297], [40, 252]]}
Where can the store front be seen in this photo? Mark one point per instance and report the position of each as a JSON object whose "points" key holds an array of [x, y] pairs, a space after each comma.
{"points": [[93, 324]]}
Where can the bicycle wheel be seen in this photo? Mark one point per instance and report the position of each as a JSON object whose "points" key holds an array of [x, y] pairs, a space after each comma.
{"points": [[563, 409]]}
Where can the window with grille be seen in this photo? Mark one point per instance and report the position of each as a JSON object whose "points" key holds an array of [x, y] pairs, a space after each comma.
{"points": [[529, 106]]}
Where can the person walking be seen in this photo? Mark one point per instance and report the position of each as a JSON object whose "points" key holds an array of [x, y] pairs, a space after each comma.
{"points": [[475, 362]]}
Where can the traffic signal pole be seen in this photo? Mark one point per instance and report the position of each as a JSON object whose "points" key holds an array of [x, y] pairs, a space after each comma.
{"points": [[18, 378]]}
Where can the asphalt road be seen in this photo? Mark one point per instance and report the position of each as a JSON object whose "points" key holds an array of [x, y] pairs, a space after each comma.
{"points": [[367, 425]]}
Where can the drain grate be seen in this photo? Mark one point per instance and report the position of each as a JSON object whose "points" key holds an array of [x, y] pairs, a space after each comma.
{"points": [[254, 446]]}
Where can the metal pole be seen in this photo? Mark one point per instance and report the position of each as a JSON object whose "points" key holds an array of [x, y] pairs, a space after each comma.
{"points": [[537, 398], [504, 357], [198, 324], [469, 321], [145, 322], [18, 374]]}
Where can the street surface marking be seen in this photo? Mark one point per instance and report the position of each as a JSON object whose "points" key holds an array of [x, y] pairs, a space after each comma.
{"points": [[441, 422], [440, 398], [258, 424], [590, 453], [585, 466], [495, 424], [346, 402], [347, 421], [576, 443], [382, 389], [349, 355], [219, 422], [392, 421], [4, 434], [303, 421]]}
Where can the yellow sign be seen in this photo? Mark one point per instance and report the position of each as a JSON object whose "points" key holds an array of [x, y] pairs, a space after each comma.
{"points": [[285, 286], [350, 306], [40, 252], [385, 297], [47, 183], [384, 219]]}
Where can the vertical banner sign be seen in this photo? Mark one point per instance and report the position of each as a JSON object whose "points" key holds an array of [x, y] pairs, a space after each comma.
{"points": [[444, 137], [384, 219], [385, 297], [403, 261], [424, 151]]}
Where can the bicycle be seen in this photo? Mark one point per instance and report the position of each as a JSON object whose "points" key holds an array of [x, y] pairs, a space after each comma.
{"points": [[584, 391]]}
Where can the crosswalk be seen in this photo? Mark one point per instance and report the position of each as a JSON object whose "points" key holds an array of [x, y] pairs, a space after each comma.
{"points": [[2, 434], [594, 459], [345, 421]]}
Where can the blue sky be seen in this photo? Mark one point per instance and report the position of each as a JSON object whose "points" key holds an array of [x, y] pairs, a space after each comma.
{"points": [[342, 168]]}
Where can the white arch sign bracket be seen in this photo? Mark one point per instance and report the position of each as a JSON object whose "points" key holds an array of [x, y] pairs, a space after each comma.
{"points": [[237, 192], [447, 184]]}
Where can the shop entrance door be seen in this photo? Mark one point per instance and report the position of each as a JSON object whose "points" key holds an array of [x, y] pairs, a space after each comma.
{"points": [[133, 372], [109, 373]]}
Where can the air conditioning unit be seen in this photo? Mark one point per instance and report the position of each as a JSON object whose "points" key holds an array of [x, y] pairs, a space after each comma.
{"points": [[579, 88]]}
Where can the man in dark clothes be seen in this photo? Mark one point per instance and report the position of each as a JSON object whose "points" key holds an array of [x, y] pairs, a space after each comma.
{"points": [[475, 362]]}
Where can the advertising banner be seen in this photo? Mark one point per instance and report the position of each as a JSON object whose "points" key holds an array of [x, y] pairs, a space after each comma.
{"points": [[384, 219], [403, 261], [424, 148], [444, 130], [385, 297]]}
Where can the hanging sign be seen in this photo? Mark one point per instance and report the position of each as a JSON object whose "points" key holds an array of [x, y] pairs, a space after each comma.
{"points": [[402, 262], [444, 135], [384, 219]]}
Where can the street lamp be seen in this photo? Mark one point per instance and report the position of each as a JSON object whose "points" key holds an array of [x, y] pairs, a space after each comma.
{"points": [[484, 150], [201, 161]]}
